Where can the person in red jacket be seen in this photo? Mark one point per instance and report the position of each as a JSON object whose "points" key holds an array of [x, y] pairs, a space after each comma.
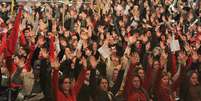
{"points": [[162, 87], [138, 93], [64, 90], [164, 92], [134, 90]]}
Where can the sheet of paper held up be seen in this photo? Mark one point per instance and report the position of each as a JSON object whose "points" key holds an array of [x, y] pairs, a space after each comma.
{"points": [[174, 44], [104, 51]]}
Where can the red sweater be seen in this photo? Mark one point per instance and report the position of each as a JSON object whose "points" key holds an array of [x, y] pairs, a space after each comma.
{"points": [[137, 96], [130, 94], [145, 84], [163, 94], [73, 91], [128, 83]]}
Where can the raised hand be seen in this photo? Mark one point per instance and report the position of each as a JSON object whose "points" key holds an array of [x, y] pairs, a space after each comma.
{"points": [[195, 56], [43, 53], [93, 62], [78, 53], [163, 59], [55, 65], [84, 62]]}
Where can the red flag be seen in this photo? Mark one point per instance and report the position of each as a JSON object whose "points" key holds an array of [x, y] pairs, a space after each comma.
{"points": [[12, 40]]}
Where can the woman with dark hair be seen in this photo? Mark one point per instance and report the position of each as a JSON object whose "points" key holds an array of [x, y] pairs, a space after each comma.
{"points": [[162, 85], [101, 90], [103, 93], [138, 92], [133, 85], [100, 85], [64, 90], [192, 89], [164, 92]]}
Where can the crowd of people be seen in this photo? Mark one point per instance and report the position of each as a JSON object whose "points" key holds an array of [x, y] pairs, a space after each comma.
{"points": [[101, 50]]}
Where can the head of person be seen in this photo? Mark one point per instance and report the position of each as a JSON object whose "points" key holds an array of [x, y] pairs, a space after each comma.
{"points": [[156, 64], [65, 84], [62, 41], [19, 58], [115, 74], [94, 46], [165, 79], [140, 72], [103, 84], [135, 58], [115, 59], [136, 81], [193, 78]]}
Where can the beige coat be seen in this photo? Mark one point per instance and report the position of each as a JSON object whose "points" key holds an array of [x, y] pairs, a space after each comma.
{"points": [[28, 81]]}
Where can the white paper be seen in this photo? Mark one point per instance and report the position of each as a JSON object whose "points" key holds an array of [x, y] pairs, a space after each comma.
{"points": [[134, 23], [104, 51], [174, 45], [79, 45]]}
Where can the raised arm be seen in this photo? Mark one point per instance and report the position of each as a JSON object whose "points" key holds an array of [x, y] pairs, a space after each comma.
{"points": [[52, 48], [28, 60], [128, 83], [118, 82], [81, 78], [55, 78], [148, 78], [12, 40]]}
